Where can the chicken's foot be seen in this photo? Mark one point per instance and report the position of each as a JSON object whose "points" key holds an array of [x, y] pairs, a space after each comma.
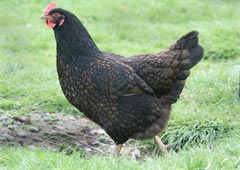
{"points": [[118, 149], [164, 148]]}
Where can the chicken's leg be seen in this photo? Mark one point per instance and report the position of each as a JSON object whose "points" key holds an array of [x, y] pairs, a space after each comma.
{"points": [[161, 146], [118, 149]]}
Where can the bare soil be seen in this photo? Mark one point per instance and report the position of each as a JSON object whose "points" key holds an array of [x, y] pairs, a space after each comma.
{"points": [[59, 132]]}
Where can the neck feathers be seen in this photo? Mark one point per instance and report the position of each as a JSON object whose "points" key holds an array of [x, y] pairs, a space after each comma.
{"points": [[73, 40]]}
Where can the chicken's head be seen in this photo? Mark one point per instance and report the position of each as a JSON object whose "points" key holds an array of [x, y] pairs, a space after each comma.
{"points": [[52, 17]]}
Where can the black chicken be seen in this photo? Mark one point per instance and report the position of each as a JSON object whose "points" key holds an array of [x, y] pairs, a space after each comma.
{"points": [[127, 97]]}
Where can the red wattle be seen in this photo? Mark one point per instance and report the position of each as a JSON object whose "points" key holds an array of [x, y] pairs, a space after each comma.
{"points": [[50, 24]]}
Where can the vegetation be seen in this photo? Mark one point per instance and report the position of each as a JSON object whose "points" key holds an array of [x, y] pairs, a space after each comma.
{"points": [[204, 126]]}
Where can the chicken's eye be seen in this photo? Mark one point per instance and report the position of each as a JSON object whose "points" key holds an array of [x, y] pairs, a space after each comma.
{"points": [[55, 15]]}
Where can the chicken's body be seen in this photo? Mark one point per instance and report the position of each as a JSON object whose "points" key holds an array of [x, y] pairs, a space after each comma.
{"points": [[127, 97], [109, 93]]}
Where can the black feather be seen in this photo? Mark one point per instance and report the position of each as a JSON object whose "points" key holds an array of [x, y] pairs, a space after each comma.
{"points": [[128, 97]]}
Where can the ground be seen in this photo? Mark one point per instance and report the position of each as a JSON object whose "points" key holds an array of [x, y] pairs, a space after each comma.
{"points": [[204, 123], [58, 132]]}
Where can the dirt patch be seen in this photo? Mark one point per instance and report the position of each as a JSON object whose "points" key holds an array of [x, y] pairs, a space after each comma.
{"points": [[59, 132]]}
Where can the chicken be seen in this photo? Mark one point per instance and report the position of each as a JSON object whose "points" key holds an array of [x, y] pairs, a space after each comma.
{"points": [[128, 97]]}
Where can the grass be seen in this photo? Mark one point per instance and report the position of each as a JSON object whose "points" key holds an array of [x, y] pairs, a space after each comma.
{"points": [[219, 157], [205, 121]]}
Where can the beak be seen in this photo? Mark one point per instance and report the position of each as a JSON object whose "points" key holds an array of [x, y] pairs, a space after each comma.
{"points": [[44, 17]]}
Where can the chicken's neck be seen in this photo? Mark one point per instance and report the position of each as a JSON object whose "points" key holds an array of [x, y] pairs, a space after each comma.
{"points": [[74, 42]]}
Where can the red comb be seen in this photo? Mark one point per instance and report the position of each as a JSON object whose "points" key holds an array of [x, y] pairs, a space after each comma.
{"points": [[51, 6]]}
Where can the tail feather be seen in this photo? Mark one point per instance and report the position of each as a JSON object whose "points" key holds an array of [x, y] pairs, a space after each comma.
{"points": [[191, 54], [190, 42], [196, 55], [187, 41]]}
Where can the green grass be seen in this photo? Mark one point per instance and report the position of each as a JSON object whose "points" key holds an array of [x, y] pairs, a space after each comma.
{"points": [[219, 157], [205, 121]]}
